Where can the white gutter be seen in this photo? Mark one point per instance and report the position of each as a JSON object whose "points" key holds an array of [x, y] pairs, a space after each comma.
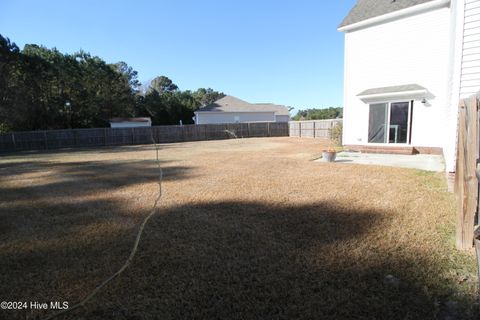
{"points": [[436, 4]]}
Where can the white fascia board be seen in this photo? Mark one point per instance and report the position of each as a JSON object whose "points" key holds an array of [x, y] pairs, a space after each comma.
{"points": [[413, 94], [396, 15]]}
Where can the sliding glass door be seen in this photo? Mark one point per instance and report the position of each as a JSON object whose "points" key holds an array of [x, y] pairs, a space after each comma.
{"points": [[377, 125], [390, 122]]}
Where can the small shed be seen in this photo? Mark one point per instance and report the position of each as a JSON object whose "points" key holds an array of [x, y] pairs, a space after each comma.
{"points": [[130, 122]]}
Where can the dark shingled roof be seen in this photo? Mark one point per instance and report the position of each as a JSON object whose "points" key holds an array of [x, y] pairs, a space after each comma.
{"points": [[366, 9]]}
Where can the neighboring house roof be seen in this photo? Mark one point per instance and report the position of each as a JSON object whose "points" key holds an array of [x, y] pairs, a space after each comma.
{"points": [[366, 9], [226, 104], [279, 109], [392, 89], [130, 120], [232, 104]]}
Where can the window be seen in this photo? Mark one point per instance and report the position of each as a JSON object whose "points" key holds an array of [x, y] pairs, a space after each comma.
{"points": [[390, 122]]}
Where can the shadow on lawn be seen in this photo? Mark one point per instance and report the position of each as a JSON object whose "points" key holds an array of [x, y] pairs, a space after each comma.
{"points": [[238, 260], [78, 178], [56, 198], [99, 149]]}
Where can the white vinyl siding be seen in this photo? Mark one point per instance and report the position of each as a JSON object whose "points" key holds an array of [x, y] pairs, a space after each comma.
{"points": [[234, 117], [470, 75], [282, 118], [411, 50]]}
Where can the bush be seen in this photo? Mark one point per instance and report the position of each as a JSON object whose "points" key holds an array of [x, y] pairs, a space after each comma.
{"points": [[336, 133], [4, 128]]}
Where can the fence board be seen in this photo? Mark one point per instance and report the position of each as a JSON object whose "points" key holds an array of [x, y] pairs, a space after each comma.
{"points": [[53, 139], [32, 140], [278, 129], [294, 129], [237, 130], [142, 135], [7, 142], [167, 134], [308, 129], [313, 128], [118, 136], [216, 132], [89, 137], [466, 184], [194, 133], [258, 129]]}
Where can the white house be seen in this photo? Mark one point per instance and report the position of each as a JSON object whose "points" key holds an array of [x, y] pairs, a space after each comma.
{"points": [[233, 110], [407, 64], [130, 122]]}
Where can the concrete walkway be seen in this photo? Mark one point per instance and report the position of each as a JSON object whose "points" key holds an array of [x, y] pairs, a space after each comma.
{"points": [[426, 162]]}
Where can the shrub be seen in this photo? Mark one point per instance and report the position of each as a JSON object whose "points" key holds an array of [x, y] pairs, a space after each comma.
{"points": [[4, 128], [336, 133]]}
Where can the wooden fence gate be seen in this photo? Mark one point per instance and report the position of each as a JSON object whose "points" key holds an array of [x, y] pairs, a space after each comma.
{"points": [[466, 183]]}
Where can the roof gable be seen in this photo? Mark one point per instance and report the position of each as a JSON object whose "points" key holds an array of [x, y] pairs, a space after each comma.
{"points": [[366, 9], [232, 104], [226, 103], [279, 110]]}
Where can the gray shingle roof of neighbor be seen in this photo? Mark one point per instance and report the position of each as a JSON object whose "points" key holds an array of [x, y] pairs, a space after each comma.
{"points": [[232, 104], [279, 110], [366, 9], [392, 89]]}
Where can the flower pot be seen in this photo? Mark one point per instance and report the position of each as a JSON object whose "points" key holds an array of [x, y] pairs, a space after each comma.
{"points": [[329, 156]]}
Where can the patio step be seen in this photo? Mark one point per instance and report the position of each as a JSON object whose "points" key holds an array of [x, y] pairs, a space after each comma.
{"points": [[393, 150]]}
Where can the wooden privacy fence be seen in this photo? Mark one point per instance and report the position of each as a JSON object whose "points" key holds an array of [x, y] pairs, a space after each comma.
{"points": [[466, 184], [53, 139], [313, 128]]}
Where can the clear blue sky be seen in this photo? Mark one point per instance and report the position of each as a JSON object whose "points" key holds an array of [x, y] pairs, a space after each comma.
{"points": [[279, 51]]}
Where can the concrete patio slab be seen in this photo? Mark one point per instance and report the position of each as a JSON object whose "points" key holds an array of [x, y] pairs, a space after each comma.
{"points": [[425, 162]]}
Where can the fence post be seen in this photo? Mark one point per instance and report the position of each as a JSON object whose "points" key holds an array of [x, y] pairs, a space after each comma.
{"points": [[104, 136], [314, 131], [300, 129], [45, 138], [248, 129], [268, 129], [133, 135], [466, 187], [13, 141]]}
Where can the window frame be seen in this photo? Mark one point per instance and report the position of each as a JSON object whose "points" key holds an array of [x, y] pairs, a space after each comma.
{"points": [[389, 112]]}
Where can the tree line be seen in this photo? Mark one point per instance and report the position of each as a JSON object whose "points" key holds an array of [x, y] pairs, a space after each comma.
{"points": [[319, 114], [43, 89]]}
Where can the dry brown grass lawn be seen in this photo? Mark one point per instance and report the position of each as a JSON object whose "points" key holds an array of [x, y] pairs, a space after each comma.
{"points": [[247, 229]]}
